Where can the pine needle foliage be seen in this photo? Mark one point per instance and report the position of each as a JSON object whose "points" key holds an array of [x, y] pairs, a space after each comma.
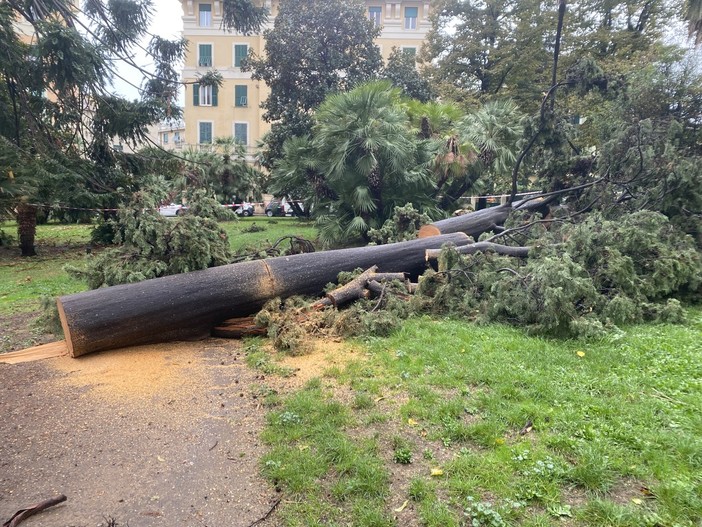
{"points": [[403, 225], [150, 245], [579, 280]]}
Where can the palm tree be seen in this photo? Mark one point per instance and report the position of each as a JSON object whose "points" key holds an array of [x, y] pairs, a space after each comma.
{"points": [[298, 174], [222, 170], [453, 156], [370, 158], [495, 130]]}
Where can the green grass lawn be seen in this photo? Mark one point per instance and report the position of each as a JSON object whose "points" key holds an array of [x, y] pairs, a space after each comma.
{"points": [[23, 281], [451, 424], [273, 230]]}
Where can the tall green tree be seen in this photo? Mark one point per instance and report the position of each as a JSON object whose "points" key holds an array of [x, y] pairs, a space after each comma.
{"points": [[59, 119], [316, 47], [401, 71], [504, 48]]}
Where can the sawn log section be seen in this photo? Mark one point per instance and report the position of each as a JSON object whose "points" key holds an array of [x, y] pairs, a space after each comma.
{"points": [[187, 306]]}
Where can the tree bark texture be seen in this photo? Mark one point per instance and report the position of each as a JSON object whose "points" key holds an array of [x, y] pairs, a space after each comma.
{"points": [[476, 223], [189, 305], [472, 248], [473, 223], [27, 228]]}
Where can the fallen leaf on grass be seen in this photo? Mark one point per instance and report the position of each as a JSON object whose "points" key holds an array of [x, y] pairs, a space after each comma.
{"points": [[402, 507], [436, 472], [412, 422], [580, 354], [560, 511]]}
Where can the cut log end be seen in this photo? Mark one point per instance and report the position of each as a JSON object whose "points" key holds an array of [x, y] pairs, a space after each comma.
{"points": [[66, 328], [425, 231]]}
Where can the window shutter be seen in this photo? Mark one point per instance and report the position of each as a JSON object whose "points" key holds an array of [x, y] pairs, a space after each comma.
{"points": [[196, 94], [205, 55], [241, 132], [240, 52], [205, 133], [241, 95], [215, 89]]}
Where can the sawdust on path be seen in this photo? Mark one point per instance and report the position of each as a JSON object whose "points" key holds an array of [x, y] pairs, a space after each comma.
{"points": [[163, 435]]}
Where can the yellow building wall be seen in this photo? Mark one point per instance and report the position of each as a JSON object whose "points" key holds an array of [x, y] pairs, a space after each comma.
{"points": [[224, 116]]}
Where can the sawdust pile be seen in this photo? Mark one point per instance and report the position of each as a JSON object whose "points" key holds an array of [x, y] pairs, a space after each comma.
{"points": [[141, 372]]}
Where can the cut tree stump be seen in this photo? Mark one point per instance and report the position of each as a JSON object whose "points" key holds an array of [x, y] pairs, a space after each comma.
{"points": [[187, 306]]}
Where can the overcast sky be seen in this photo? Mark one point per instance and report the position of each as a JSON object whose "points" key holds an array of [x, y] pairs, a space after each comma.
{"points": [[167, 22]]}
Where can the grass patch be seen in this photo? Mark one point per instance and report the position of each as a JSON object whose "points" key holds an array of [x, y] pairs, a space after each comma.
{"points": [[332, 478], [493, 427], [23, 281], [250, 234]]}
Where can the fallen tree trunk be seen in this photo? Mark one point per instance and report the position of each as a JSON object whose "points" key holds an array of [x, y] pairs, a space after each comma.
{"points": [[473, 223], [476, 223], [189, 305], [472, 248]]}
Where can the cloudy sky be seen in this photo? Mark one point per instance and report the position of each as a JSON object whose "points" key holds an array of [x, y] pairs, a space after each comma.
{"points": [[167, 22]]}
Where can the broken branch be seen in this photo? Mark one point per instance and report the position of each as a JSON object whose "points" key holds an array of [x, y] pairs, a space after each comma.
{"points": [[504, 250], [23, 514]]}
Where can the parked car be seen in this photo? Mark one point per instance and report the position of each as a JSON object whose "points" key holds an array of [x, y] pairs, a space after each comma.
{"points": [[172, 209], [244, 209], [282, 207], [277, 208]]}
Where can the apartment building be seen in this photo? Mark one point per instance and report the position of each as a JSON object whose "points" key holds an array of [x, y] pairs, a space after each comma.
{"points": [[234, 109], [169, 135]]}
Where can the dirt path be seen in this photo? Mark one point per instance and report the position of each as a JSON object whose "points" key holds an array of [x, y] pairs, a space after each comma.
{"points": [[163, 435]]}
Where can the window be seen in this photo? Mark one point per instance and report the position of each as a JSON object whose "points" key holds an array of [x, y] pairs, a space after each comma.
{"points": [[204, 95], [205, 11], [411, 17], [409, 50], [241, 133], [240, 52], [165, 138], [205, 132], [376, 15], [204, 53], [241, 95], [176, 137]]}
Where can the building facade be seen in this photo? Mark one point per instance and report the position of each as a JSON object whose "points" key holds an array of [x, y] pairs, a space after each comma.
{"points": [[234, 110]]}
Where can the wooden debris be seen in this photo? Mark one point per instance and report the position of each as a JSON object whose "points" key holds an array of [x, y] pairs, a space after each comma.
{"points": [[505, 250], [473, 224], [23, 514], [44, 351], [236, 328]]}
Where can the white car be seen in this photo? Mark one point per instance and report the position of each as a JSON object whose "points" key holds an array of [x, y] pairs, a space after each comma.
{"points": [[171, 210]]}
